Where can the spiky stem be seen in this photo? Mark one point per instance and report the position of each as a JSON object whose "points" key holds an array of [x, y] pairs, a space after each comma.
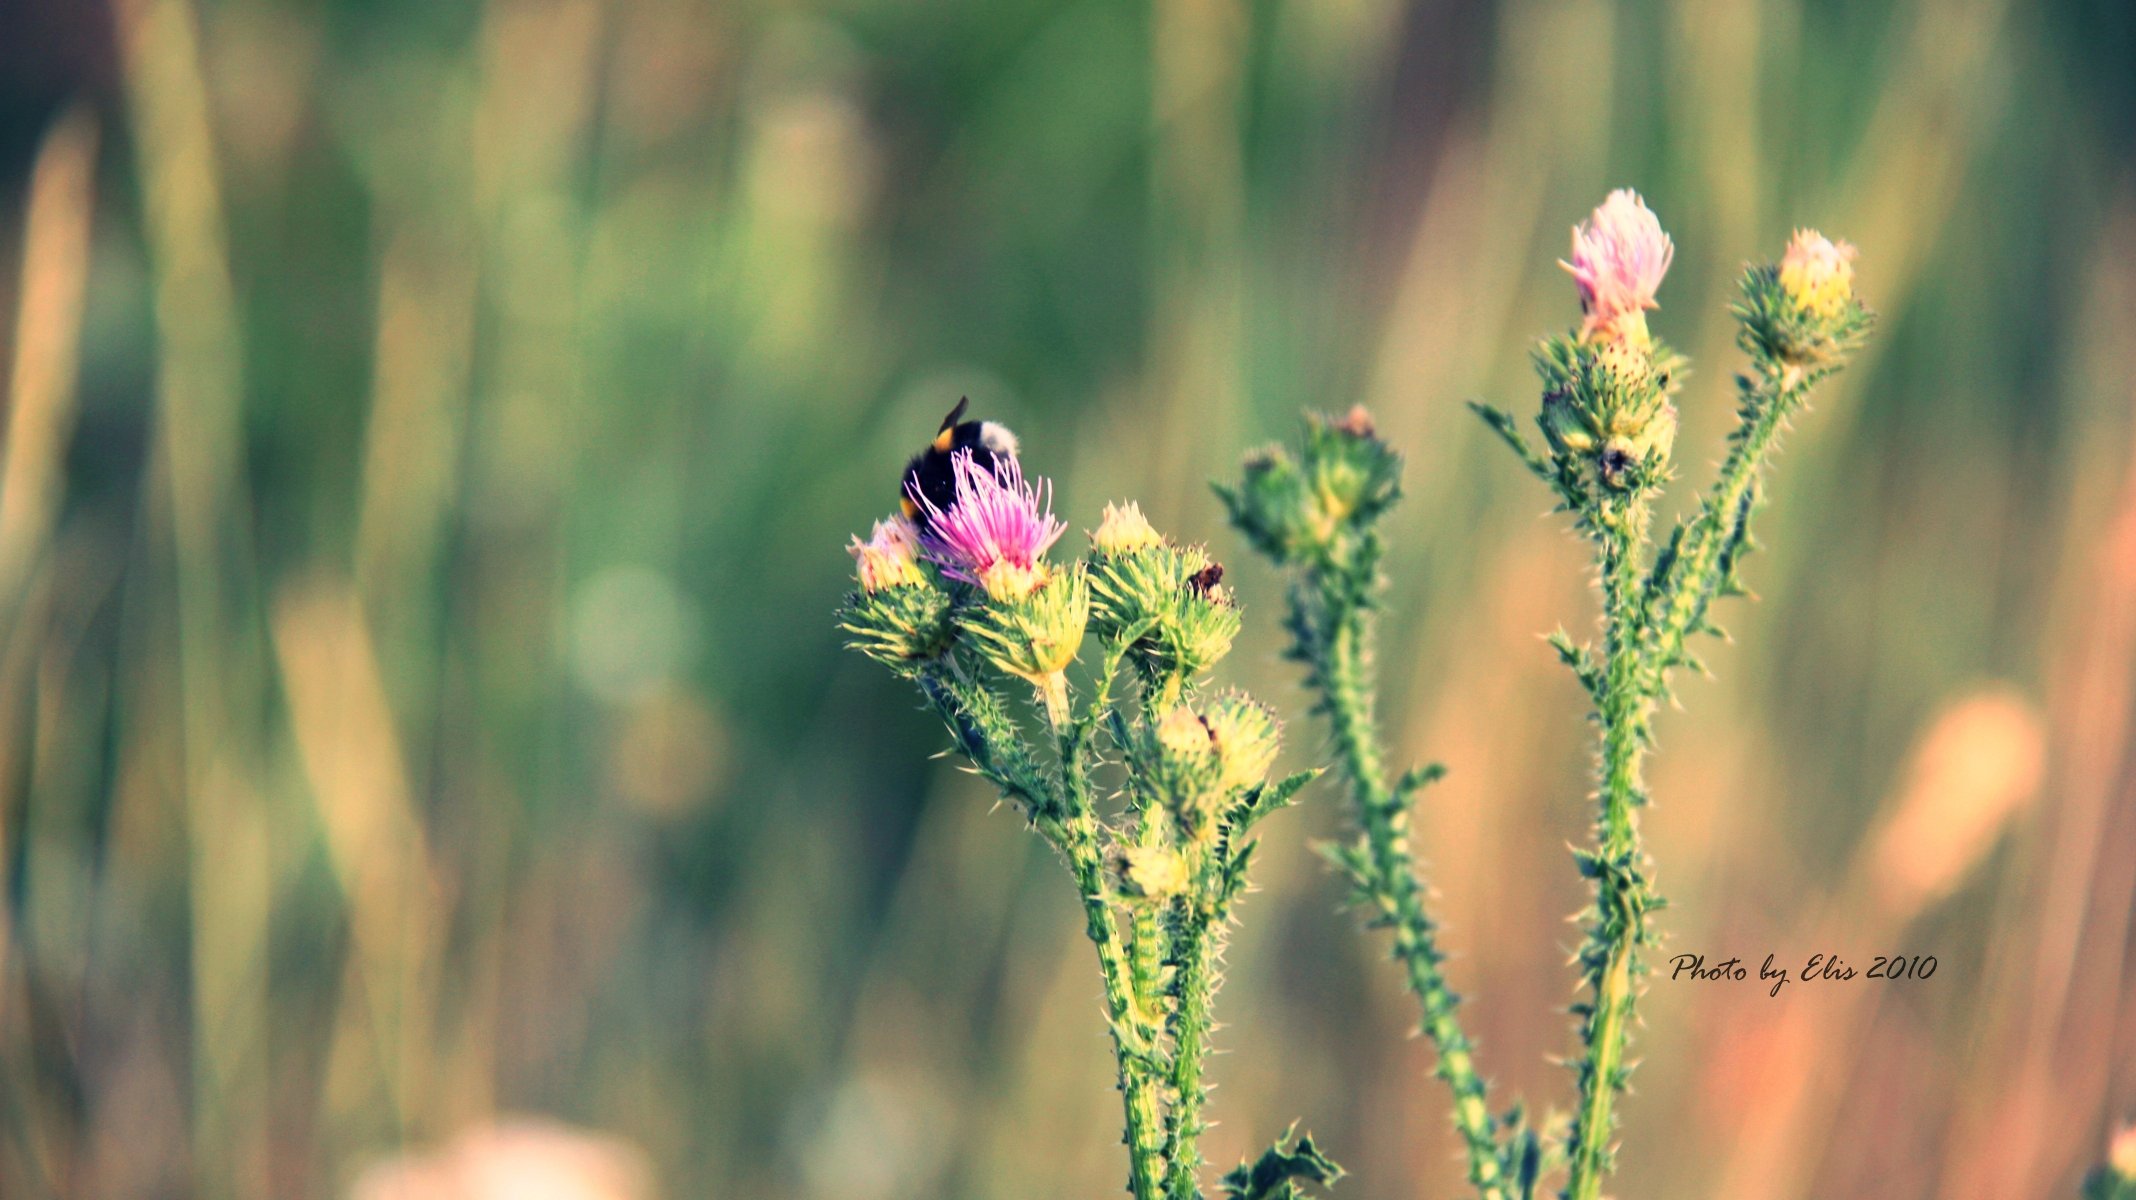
{"points": [[1344, 675], [1622, 894], [1197, 944], [1133, 1034]]}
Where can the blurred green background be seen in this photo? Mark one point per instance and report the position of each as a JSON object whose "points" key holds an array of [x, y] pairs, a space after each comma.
{"points": [[431, 432]]}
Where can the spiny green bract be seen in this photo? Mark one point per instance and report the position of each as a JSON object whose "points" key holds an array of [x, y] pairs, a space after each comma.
{"points": [[900, 626], [1295, 510], [1189, 620], [1199, 757], [1606, 412], [1777, 327], [1037, 636]]}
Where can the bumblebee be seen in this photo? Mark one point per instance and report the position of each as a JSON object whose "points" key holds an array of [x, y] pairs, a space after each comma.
{"points": [[930, 473]]}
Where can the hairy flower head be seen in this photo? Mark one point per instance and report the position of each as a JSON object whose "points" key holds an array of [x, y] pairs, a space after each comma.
{"points": [[1183, 734], [1818, 274], [890, 556], [1619, 255], [1124, 530], [995, 535], [1150, 872]]}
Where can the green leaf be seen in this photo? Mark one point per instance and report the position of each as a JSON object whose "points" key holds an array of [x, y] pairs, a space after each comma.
{"points": [[1273, 1176], [1508, 430]]}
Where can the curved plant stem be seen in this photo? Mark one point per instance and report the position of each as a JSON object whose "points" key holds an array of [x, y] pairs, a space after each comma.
{"points": [[1338, 646], [1699, 567]]}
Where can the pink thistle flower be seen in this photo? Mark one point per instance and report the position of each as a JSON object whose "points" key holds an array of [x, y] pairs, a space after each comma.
{"points": [[1619, 256], [996, 533]]}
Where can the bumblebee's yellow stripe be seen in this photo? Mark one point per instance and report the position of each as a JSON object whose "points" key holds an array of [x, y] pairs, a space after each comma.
{"points": [[943, 439]]}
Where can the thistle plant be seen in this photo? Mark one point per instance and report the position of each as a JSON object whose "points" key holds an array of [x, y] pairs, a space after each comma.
{"points": [[1149, 790], [1608, 423]]}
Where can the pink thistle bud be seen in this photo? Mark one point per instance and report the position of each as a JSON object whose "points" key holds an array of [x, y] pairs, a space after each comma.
{"points": [[996, 533], [1818, 274], [890, 556], [1618, 259]]}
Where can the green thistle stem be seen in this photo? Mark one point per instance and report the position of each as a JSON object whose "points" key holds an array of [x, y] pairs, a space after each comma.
{"points": [[1696, 573], [1053, 690], [1342, 669], [1194, 982], [1622, 895], [1134, 1036]]}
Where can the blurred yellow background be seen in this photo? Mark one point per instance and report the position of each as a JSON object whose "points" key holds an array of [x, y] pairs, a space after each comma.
{"points": [[431, 431]]}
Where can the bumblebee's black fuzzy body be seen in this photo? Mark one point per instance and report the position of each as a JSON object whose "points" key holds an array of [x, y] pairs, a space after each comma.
{"points": [[931, 473]]}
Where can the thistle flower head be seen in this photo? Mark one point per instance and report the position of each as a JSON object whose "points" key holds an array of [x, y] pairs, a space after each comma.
{"points": [[1034, 636], [1801, 316], [1123, 530], [890, 556], [1183, 735], [1818, 274], [1309, 507], [1246, 736], [1619, 255], [1150, 872], [995, 535]]}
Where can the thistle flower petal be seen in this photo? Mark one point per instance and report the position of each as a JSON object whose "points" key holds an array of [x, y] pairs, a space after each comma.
{"points": [[996, 533], [1619, 255]]}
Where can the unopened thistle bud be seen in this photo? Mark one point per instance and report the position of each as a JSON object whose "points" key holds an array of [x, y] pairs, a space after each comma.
{"points": [[1179, 757], [900, 615], [890, 556], [1818, 274], [1246, 736], [1171, 595], [1034, 637], [1619, 256], [1150, 872], [1303, 509], [1606, 412], [1123, 530], [1802, 313]]}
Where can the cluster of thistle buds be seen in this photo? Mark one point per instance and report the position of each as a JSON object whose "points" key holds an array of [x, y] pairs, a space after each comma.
{"points": [[961, 598], [1305, 509], [1608, 412]]}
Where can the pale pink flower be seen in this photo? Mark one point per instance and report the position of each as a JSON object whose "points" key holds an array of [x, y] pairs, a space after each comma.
{"points": [[1619, 256], [995, 535], [890, 556]]}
